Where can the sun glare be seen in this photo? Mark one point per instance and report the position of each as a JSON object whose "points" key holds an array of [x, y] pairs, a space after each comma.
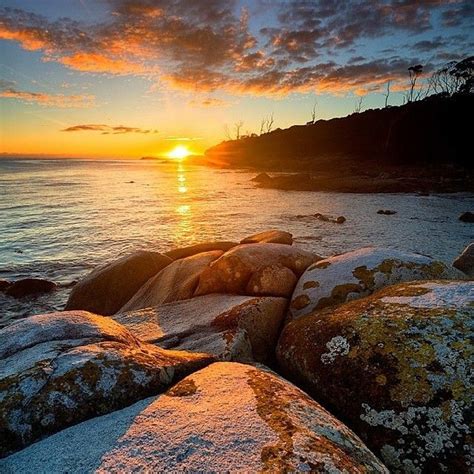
{"points": [[179, 152]]}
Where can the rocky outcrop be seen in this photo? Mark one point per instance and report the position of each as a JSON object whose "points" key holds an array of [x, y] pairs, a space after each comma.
{"points": [[228, 417], [465, 261], [29, 286], [467, 217], [359, 273], [256, 269], [61, 368], [108, 288], [184, 252], [175, 282], [269, 237], [4, 285], [386, 212], [229, 327], [394, 366]]}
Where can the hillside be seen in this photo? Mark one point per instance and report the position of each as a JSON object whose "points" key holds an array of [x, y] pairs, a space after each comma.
{"points": [[424, 139]]}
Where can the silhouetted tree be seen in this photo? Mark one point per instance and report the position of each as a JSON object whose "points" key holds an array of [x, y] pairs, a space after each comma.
{"points": [[313, 113], [455, 77], [266, 125], [237, 127], [413, 73], [358, 105], [387, 94]]}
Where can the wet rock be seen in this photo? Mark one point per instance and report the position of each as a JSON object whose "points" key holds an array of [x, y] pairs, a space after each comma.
{"points": [[108, 288], [229, 327], [4, 284], [228, 417], [386, 212], [465, 261], [269, 236], [325, 218], [61, 368], [175, 282], [262, 178], [359, 273], [395, 367], [29, 286], [184, 252], [233, 272], [467, 217]]}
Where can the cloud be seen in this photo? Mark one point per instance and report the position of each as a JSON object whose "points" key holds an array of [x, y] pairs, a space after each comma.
{"points": [[183, 139], [208, 102], [107, 129], [299, 45], [8, 90]]}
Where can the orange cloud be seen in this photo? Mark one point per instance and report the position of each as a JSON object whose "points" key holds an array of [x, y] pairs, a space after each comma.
{"points": [[50, 100], [107, 129]]}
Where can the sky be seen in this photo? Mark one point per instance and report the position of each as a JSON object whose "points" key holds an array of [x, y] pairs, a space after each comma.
{"points": [[132, 78]]}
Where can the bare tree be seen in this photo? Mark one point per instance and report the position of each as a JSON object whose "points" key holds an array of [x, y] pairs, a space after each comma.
{"points": [[238, 127], [227, 132], [387, 94], [313, 113], [414, 72], [262, 125], [358, 105], [269, 126]]}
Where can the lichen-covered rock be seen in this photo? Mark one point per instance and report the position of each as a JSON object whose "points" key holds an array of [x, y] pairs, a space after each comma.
{"points": [[233, 272], [175, 282], [465, 261], [184, 252], [228, 417], [397, 367], [269, 236], [229, 327], [108, 288], [61, 368], [359, 273]]}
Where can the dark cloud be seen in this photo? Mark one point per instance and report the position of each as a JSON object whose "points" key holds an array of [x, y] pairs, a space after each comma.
{"points": [[107, 129], [208, 45]]}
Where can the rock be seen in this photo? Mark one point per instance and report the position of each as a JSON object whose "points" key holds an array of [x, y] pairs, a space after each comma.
{"points": [[359, 273], [395, 367], [29, 286], [467, 217], [465, 261], [177, 281], [229, 327], [61, 368], [262, 178], [325, 218], [269, 236], [386, 212], [233, 272], [200, 248], [228, 417], [108, 288], [4, 284]]}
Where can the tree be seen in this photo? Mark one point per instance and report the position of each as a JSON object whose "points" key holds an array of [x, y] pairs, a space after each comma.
{"points": [[387, 94], [358, 105], [455, 77], [413, 73], [266, 125], [237, 127], [313, 111]]}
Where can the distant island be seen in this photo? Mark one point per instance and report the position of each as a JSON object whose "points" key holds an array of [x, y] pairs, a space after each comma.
{"points": [[422, 146]]}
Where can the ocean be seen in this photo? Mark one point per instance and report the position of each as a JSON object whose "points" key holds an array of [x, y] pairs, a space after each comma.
{"points": [[61, 218]]}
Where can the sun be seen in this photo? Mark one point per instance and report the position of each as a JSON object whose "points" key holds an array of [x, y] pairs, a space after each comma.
{"points": [[179, 152]]}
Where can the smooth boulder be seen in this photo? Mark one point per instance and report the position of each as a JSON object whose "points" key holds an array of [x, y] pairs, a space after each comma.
{"points": [[394, 366], [109, 287], [227, 417], [269, 236], [61, 368], [177, 281], [256, 269], [230, 327], [465, 261], [353, 275], [467, 217], [190, 250], [29, 286]]}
